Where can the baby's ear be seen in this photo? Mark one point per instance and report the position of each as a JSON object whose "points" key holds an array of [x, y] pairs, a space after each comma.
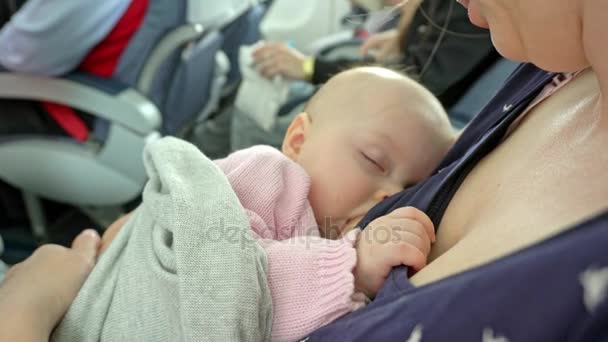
{"points": [[296, 135]]}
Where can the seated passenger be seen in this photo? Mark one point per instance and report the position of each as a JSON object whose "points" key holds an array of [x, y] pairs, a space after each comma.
{"points": [[435, 43]]}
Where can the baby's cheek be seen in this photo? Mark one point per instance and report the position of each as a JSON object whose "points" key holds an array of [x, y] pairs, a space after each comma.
{"points": [[338, 190], [358, 188], [348, 228], [327, 213], [323, 208]]}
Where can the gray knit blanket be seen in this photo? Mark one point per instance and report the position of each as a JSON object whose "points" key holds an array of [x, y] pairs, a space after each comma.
{"points": [[183, 268]]}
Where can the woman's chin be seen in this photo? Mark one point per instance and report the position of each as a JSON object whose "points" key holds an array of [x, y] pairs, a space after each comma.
{"points": [[476, 18], [562, 63], [557, 61]]}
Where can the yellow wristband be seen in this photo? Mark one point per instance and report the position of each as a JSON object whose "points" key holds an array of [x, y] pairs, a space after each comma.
{"points": [[308, 66]]}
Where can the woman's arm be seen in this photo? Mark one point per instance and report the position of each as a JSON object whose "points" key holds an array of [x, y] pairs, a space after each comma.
{"points": [[389, 44], [408, 10], [37, 292]]}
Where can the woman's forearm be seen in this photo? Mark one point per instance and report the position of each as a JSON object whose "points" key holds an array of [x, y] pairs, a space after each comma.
{"points": [[408, 10]]}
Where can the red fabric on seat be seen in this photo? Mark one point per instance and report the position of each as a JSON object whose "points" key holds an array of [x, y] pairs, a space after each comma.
{"points": [[101, 61]]}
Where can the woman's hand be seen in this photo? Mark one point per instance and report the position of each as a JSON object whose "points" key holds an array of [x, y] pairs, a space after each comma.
{"points": [[382, 46], [37, 292], [402, 237], [279, 59]]}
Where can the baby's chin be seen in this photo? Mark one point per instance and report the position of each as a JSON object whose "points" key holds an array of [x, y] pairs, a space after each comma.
{"points": [[331, 231], [337, 231], [349, 225]]}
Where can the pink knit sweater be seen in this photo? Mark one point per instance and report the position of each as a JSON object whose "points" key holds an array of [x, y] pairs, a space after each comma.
{"points": [[310, 278]]}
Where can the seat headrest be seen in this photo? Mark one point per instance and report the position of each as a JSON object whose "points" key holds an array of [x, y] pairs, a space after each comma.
{"points": [[216, 14]]}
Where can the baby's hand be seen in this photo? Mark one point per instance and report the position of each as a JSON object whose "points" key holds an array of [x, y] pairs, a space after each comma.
{"points": [[402, 237]]}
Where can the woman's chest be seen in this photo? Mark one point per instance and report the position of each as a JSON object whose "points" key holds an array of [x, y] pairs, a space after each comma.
{"points": [[548, 175]]}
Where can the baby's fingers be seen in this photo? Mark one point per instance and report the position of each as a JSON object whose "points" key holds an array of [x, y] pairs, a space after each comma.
{"points": [[419, 240], [409, 255], [417, 215]]}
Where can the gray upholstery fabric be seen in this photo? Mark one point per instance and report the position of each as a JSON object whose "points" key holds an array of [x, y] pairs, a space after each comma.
{"points": [[183, 84], [190, 87], [161, 17], [245, 132], [183, 268]]}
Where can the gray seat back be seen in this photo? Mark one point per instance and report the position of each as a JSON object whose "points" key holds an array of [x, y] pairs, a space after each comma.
{"points": [[191, 85], [162, 17], [244, 30], [182, 84]]}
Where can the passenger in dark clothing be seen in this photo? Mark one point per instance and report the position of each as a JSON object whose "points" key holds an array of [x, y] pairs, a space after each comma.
{"points": [[435, 44]]}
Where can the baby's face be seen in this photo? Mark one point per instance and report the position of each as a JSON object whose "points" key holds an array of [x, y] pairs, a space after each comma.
{"points": [[367, 134], [354, 164]]}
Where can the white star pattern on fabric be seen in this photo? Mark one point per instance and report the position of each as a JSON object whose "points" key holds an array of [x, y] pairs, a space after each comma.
{"points": [[595, 286], [416, 335], [488, 336]]}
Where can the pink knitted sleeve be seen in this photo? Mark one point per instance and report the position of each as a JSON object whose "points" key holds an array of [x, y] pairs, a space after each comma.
{"points": [[310, 278], [311, 283]]}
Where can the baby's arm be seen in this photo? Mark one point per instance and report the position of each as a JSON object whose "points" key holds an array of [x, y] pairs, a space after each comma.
{"points": [[275, 188], [311, 282], [403, 237], [314, 281], [311, 279]]}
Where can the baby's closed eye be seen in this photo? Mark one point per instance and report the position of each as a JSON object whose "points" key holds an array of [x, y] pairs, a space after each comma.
{"points": [[374, 162]]}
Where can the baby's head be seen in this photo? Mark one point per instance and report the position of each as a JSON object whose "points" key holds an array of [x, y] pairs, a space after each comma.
{"points": [[365, 135]]}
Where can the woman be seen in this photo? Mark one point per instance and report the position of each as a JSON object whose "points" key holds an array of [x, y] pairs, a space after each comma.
{"points": [[521, 201]]}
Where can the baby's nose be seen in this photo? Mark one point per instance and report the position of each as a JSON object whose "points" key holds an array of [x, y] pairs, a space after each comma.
{"points": [[383, 195], [387, 191]]}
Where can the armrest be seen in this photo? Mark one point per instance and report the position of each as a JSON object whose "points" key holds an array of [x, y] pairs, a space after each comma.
{"points": [[104, 98], [163, 50], [216, 15]]}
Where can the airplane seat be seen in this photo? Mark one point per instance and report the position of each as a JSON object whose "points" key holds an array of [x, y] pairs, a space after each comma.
{"points": [[153, 91]]}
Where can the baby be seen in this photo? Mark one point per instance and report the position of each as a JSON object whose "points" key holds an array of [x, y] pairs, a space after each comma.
{"points": [[367, 134]]}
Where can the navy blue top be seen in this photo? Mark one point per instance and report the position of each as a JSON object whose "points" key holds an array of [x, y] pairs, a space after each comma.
{"points": [[554, 290]]}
